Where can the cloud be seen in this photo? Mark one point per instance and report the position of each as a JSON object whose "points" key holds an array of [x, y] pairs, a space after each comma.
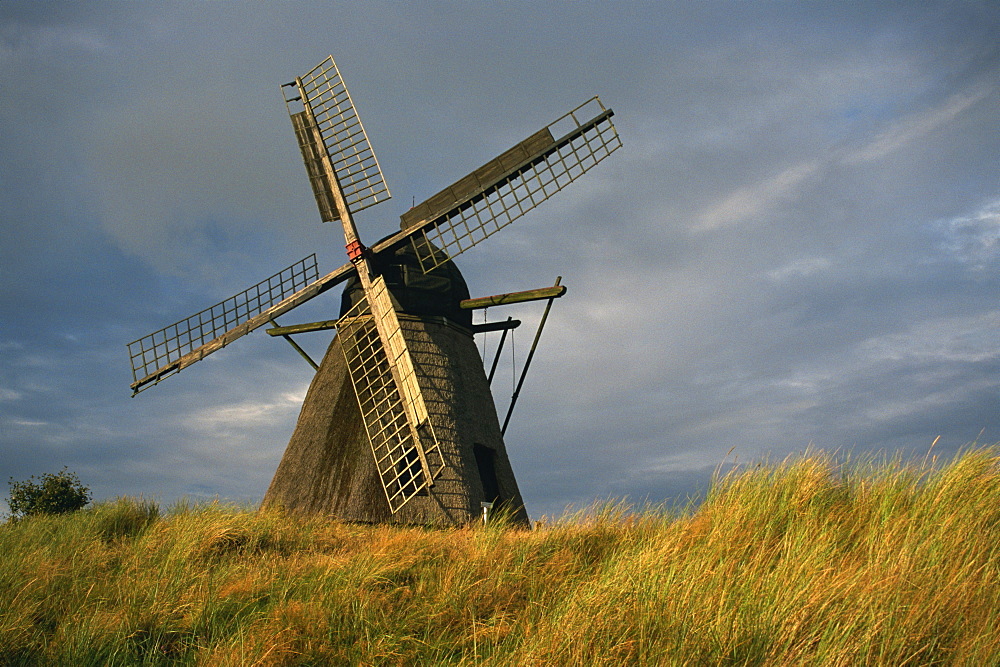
{"points": [[759, 200], [800, 268], [241, 418], [970, 339], [908, 130], [10, 395], [928, 402], [974, 240], [28, 423], [153, 173], [27, 34]]}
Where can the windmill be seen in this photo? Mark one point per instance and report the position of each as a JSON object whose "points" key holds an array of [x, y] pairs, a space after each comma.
{"points": [[399, 423]]}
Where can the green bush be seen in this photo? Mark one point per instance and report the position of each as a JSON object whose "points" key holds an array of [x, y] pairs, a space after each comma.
{"points": [[57, 493]]}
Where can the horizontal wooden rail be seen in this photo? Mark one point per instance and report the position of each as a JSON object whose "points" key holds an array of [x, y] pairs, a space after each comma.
{"points": [[514, 297]]}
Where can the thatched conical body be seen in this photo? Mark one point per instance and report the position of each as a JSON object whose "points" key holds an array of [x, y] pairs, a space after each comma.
{"points": [[328, 467]]}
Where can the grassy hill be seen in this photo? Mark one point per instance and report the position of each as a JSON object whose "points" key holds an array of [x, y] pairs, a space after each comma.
{"points": [[806, 562]]}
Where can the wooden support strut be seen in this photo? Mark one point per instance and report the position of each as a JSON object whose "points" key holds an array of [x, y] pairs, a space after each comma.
{"points": [[293, 344], [553, 292], [301, 328], [487, 327], [332, 324], [496, 358], [466, 304]]}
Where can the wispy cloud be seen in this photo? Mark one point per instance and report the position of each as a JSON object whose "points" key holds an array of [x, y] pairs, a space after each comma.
{"points": [[28, 423], [9, 394], [800, 268], [757, 200], [974, 239], [242, 417], [973, 338], [908, 130], [18, 38]]}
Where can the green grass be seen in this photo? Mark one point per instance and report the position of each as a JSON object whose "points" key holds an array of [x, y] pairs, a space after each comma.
{"points": [[805, 562]]}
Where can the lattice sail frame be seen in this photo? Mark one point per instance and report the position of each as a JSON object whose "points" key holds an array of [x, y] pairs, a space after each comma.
{"points": [[322, 92], [504, 189], [158, 350], [407, 462]]}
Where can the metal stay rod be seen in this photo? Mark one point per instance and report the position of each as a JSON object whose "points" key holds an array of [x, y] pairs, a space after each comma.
{"points": [[527, 361]]}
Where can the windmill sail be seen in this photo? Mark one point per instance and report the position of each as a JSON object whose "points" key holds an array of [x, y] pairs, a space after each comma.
{"points": [[346, 178], [171, 349], [510, 185], [328, 126], [391, 402], [179, 345]]}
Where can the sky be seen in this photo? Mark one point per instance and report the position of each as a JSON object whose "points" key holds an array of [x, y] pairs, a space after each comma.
{"points": [[797, 246]]}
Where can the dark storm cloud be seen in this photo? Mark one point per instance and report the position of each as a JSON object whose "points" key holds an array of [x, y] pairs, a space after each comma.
{"points": [[798, 242]]}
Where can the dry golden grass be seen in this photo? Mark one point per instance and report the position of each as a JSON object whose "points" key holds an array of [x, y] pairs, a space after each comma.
{"points": [[805, 562]]}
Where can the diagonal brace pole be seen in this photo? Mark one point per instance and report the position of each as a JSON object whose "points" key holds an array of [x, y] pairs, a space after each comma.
{"points": [[496, 359], [296, 346], [527, 361]]}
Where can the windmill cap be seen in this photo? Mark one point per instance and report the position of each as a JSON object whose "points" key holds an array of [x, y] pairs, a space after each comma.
{"points": [[434, 294]]}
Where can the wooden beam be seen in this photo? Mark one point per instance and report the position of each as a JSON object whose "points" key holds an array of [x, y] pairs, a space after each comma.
{"points": [[302, 328], [482, 179], [296, 347], [495, 326], [514, 297]]}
